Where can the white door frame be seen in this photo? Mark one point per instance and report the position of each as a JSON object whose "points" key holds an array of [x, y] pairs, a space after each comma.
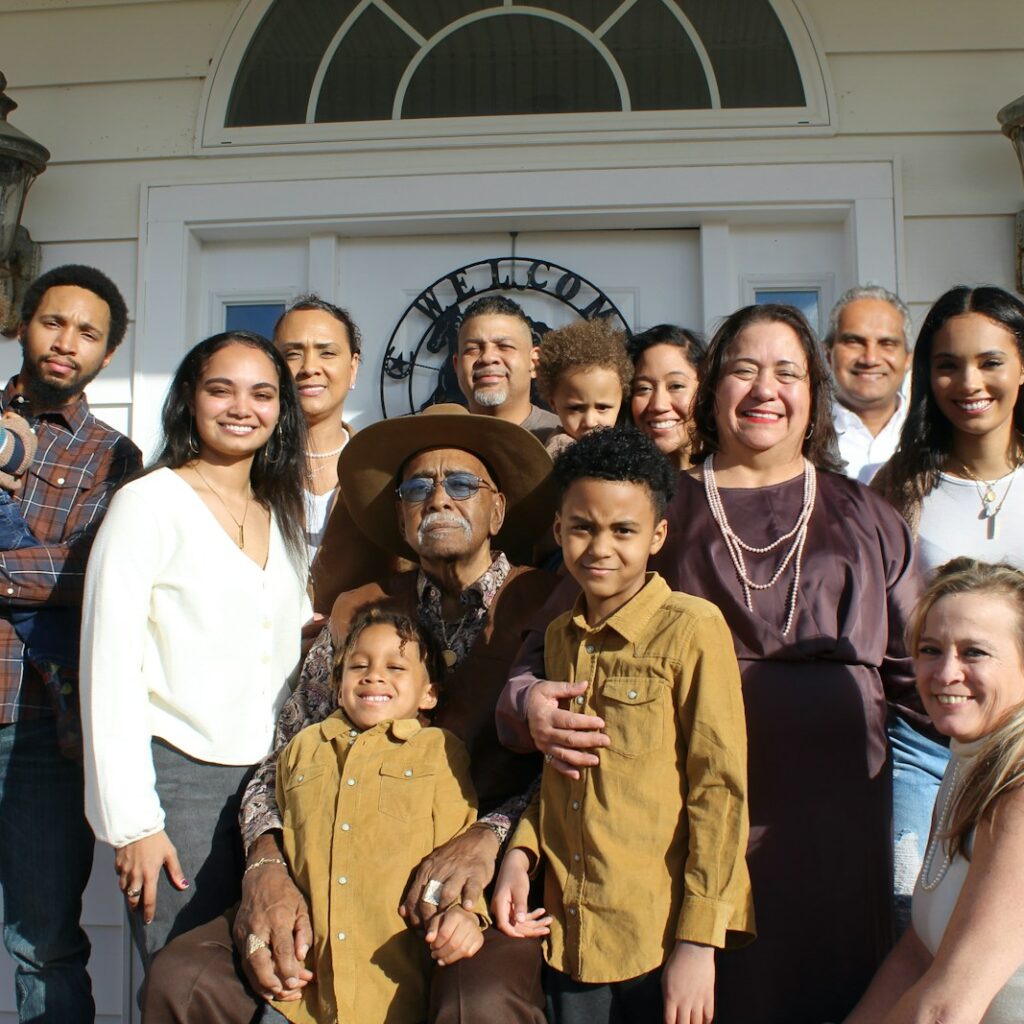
{"points": [[177, 218]]}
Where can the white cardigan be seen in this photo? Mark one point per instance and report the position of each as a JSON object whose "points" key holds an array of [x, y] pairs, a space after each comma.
{"points": [[184, 637]]}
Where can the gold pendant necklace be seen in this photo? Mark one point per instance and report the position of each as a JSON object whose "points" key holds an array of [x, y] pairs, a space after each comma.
{"points": [[240, 524]]}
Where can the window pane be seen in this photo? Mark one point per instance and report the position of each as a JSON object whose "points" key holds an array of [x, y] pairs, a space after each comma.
{"points": [[805, 299], [513, 64], [252, 316]]}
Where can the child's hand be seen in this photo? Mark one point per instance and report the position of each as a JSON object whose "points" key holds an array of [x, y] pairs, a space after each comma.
{"points": [[688, 984], [454, 935], [511, 893]]}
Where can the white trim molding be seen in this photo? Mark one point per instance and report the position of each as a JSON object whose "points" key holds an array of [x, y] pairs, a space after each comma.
{"points": [[177, 219]]}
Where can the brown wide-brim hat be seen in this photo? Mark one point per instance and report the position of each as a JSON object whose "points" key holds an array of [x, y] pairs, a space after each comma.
{"points": [[369, 465]]}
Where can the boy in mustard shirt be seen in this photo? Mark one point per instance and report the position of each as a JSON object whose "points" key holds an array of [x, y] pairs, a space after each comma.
{"points": [[365, 796], [644, 855]]}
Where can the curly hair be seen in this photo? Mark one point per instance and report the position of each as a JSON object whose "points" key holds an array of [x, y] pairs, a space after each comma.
{"points": [[409, 630], [999, 764], [926, 440], [277, 482], [77, 275], [619, 454], [580, 345], [821, 446]]}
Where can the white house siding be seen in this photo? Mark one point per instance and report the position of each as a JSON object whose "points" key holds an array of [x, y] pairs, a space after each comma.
{"points": [[112, 88]]}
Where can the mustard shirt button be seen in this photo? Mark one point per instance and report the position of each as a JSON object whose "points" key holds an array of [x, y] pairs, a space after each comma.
{"points": [[345, 826], [575, 805], [342, 936], [407, 773], [631, 695], [590, 648], [581, 699], [351, 782], [343, 880], [301, 777]]}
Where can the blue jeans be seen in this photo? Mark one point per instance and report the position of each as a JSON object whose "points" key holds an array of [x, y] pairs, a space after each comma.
{"points": [[46, 849], [50, 635], [918, 764]]}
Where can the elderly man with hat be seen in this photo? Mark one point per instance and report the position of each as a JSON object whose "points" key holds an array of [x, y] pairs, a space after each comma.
{"points": [[467, 490]]}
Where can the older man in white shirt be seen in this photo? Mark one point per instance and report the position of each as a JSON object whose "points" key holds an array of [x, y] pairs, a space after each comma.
{"points": [[867, 347]]}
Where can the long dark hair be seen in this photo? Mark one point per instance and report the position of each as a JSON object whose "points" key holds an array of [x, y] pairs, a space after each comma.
{"points": [[821, 447], [927, 436], [277, 482]]}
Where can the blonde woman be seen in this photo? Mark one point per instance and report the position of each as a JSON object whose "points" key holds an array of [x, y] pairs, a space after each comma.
{"points": [[962, 960]]}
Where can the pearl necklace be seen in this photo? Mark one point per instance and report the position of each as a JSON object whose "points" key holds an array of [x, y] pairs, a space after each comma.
{"points": [[928, 883], [736, 545], [326, 455]]}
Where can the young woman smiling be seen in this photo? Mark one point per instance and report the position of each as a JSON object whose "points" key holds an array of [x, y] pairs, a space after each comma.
{"points": [[955, 475], [194, 599], [665, 360]]}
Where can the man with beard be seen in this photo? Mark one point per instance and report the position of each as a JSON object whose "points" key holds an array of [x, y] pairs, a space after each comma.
{"points": [[72, 320], [496, 362]]}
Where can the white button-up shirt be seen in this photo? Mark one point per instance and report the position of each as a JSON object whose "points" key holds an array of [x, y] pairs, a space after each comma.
{"points": [[864, 452]]}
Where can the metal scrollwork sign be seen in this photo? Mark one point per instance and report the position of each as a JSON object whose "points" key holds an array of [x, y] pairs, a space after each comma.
{"points": [[425, 366]]}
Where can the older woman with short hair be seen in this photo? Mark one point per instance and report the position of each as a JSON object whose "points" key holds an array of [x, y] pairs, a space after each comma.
{"points": [[962, 960]]}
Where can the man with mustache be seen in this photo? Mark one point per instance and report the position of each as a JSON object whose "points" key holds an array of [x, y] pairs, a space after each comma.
{"points": [[72, 320], [461, 486], [495, 362]]}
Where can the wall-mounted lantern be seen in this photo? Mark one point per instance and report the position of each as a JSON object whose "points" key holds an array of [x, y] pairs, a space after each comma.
{"points": [[22, 160], [1011, 119]]}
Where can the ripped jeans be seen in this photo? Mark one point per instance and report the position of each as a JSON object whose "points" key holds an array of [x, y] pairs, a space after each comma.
{"points": [[918, 763]]}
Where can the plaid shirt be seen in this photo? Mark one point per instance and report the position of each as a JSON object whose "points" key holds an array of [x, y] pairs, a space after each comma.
{"points": [[79, 464]]}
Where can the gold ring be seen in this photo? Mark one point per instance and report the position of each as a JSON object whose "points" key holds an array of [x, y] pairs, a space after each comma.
{"points": [[133, 894], [253, 944]]}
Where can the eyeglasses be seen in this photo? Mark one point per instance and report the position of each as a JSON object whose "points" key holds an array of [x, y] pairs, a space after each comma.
{"points": [[458, 486]]}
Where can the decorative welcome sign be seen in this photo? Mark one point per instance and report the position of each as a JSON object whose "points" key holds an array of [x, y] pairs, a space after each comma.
{"points": [[420, 350]]}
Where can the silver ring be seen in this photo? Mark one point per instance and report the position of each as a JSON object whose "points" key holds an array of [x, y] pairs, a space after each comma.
{"points": [[253, 944], [432, 892], [548, 758], [133, 894]]}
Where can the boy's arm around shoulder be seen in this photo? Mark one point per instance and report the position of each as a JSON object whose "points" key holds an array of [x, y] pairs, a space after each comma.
{"points": [[717, 908]]}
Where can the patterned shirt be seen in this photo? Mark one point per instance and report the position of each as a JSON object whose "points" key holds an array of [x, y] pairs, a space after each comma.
{"points": [[79, 464], [314, 700]]}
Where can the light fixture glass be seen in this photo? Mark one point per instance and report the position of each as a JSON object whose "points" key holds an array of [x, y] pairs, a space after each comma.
{"points": [[22, 159]]}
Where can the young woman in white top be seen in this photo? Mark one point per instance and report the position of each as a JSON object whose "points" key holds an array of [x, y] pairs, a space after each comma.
{"points": [[955, 476], [195, 595], [321, 344], [962, 961]]}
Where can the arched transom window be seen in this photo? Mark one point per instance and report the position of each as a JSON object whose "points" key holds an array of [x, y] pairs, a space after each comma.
{"points": [[305, 71]]}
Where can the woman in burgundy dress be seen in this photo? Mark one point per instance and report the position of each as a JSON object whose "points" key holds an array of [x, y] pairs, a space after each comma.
{"points": [[814, 575]]}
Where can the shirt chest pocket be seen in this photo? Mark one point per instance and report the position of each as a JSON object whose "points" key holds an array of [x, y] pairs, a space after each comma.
{"points": [[301, 796], [57, 487], [634, 709], [406, 790]]}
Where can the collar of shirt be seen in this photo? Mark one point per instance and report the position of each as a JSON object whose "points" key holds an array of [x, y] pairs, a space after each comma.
{"points": [[476, 599], [337, 726], [73, 414], [847, 421], [632, 618]]}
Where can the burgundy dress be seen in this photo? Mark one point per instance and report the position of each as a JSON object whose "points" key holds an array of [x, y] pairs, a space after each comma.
{"points": [[820, 794]]}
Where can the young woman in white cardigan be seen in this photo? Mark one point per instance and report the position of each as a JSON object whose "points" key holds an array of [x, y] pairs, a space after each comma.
{"points": [[195, 596]]}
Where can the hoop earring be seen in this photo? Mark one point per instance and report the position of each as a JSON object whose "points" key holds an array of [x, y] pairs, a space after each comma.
{"points": [[193, 445], [276, 436]]}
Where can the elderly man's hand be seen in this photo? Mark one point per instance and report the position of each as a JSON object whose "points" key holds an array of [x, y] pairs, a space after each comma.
{"points": [[566, 739], [274, 911], [464, 866]]}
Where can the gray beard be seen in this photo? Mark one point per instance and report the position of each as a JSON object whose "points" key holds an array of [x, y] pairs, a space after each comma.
{"points": [[490, 399]]}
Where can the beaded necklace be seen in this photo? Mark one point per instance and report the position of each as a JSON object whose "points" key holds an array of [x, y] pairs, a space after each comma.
{"points": [[928, 882], [736, 545]]}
